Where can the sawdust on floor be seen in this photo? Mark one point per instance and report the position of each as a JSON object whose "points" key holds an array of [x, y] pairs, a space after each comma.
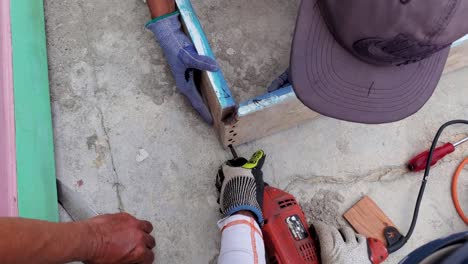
{"points": [[325, 206]]}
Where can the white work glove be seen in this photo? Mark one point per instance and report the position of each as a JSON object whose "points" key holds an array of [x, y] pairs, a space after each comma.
{"points": [[341, 246]]}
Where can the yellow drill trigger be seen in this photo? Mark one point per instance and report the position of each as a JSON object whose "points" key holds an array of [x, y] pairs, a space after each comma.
{"points": [[253, 161]]}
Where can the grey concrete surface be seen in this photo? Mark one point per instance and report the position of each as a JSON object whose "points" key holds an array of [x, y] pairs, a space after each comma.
{"points": [[113, 97], [251, 40]]}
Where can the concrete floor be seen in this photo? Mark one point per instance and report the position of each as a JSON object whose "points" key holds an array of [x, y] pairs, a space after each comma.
{"points": [[114, 100]]}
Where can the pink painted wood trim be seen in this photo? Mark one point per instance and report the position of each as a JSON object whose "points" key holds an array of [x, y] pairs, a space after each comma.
{"points": [[8, 187]]}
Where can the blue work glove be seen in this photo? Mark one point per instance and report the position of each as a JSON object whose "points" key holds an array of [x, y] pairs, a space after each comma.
{"points": [[183, 59], [279, 82]]}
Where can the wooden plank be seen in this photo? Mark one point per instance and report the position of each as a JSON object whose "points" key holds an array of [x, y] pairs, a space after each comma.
{"points": [[368, 219], [37, 193], [265, 115], [271, 112], [213, 85], [8, 198], [458, 56]]}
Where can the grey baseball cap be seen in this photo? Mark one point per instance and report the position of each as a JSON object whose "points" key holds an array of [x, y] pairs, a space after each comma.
{"points": [[372, 61]]}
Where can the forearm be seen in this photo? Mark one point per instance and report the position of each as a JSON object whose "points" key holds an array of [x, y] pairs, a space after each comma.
{"points": [[241, 240], [28, 241], [161, 7]]}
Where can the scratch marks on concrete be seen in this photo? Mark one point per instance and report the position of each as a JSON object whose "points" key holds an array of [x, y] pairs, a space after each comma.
{"points": [[117, 185], [385, 174], [86, 79]]}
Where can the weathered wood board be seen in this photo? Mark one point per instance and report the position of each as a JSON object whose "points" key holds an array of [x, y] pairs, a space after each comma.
{"points": [[368, 219]]}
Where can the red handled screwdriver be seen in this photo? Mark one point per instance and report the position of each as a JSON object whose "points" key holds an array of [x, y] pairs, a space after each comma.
{"points": [[418, 163]]}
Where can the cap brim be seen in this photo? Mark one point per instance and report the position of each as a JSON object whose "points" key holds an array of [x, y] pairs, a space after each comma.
{"points": [[330, 80]]}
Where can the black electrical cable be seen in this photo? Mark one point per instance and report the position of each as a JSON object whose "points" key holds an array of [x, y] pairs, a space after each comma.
{"points": [[405, 238]]}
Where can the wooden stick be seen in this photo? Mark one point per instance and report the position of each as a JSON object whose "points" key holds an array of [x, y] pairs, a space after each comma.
{"points": [[8, 196]]}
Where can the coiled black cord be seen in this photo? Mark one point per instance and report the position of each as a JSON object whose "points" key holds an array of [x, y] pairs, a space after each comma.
{"points": [[405, 239]]}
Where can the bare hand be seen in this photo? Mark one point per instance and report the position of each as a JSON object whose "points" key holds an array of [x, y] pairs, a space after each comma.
{"points": [[121, 238]]}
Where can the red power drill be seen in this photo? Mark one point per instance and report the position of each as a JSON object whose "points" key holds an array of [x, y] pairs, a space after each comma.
{"points": [[287, 238]]}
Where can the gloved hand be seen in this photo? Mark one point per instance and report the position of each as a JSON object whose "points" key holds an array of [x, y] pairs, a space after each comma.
{"points": [[183, 59], [341, 245], [279, 82], [240, 186]]}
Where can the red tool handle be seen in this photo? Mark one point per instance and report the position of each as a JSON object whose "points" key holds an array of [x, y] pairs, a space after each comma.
{"points": [[378, 253], [418, 163]]}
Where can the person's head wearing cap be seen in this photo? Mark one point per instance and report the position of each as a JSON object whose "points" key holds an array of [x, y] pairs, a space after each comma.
{"points": [[372, 61]]}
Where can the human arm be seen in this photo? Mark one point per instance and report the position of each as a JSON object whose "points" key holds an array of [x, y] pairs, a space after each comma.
{"points": [[241, 240], [180, 53], [160, 7], [240, 185], [116, 238]]}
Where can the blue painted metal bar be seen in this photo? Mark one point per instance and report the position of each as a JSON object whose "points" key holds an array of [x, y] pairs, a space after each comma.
{"points": [[202, 45], [266, 100], [460, 41]]}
